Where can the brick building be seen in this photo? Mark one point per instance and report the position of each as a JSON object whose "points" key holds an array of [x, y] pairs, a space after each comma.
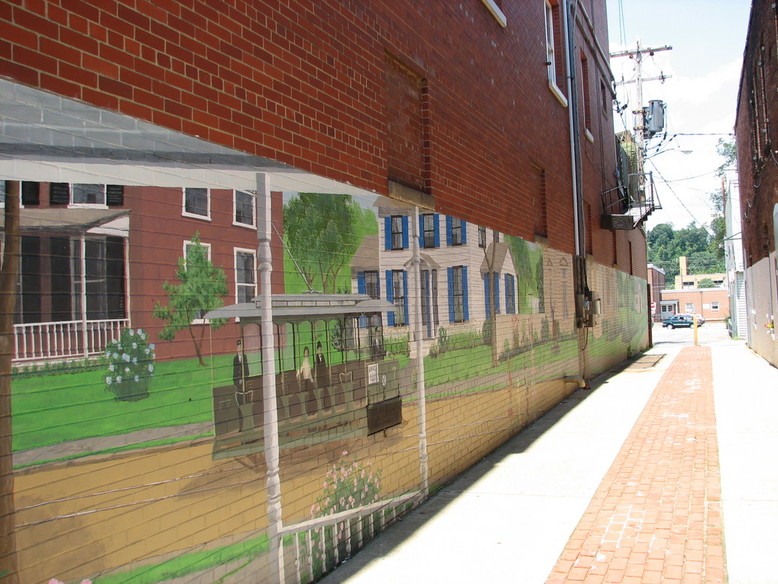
{"points": [[448, 196], [758, 177]]}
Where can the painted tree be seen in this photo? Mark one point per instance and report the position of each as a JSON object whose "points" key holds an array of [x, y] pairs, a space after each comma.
{"points": [[201, 288], [322, 234]]}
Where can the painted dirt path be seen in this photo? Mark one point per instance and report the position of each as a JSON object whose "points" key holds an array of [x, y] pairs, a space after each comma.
{"points": [[656, 517]]}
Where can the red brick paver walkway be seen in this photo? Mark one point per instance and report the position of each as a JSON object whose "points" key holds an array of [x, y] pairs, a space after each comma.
{"points": [[656, 517]]}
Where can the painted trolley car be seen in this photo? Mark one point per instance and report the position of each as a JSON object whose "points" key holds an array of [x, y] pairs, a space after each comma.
{"points": [[334, 379]]}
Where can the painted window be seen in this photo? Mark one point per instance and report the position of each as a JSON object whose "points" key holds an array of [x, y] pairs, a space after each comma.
{"points": [[510, 294], [396, 232], [689, 307], [456, 231], [368, 283], [482, 236], [76, 194], [714, 305], [397, 294], [245, 275], [244, 213], [457, 294], [429, 229], [197, 203]]}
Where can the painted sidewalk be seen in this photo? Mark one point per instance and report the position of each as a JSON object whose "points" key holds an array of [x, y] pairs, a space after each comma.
{"points": [[617, 484]]}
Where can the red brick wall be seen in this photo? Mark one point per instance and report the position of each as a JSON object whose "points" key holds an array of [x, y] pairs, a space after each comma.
{"points": [[756, 149], [305, 84]]}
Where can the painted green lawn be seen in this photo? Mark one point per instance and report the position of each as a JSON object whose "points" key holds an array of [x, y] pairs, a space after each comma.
{"points": [[59, 408], [189, 563]]}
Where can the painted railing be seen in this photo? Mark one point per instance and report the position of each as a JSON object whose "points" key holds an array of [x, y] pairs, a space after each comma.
{"points": [[323, 543], [43, 341]]}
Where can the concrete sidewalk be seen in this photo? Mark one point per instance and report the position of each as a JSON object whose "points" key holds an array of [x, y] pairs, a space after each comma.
{"points": [[518, 515]]}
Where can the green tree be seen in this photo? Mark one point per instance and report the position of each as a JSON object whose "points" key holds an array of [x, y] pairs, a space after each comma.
{"points": [[322, 234], [201, 288], [666, 245], [706, 283], [727, 149]]}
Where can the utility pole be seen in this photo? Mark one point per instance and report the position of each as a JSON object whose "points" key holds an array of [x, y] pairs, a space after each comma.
{"points": [[639, 112]]}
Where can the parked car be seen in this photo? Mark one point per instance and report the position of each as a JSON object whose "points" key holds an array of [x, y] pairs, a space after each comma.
{"points": [[700, 319], [678, 320]]}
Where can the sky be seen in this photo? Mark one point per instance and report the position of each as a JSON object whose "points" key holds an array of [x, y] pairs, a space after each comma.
{"points": [[703, 75]]}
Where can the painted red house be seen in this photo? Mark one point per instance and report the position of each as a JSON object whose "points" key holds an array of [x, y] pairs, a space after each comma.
{"points": [[95, 256]]}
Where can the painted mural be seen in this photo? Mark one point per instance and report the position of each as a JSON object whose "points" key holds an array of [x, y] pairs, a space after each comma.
{"points": [[406, 344]]}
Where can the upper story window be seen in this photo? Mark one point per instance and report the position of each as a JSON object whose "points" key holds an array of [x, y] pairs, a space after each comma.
{"points": [[197, 203], [430, 230], [495, 7], [456, 231], [244, 209], [553, 61], [482, 236], [76, 194], [245, 275]]}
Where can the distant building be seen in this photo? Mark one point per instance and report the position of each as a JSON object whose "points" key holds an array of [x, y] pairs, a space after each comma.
{"points": [[685, 280], [711, 303]]}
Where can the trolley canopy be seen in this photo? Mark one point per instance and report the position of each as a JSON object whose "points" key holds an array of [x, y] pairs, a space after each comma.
{"points": [[308, 306]]}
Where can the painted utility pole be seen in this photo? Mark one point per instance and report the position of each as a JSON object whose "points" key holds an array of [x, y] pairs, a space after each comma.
{"points": [[270, 402]]}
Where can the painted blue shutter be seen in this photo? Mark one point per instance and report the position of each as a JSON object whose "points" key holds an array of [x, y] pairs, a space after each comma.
{"points": [[450, 294], [389, 296], [405, 296], [405, 232], [449, 237], [421, 230], [387, 233], [487, 296], [464, 232], [436, 223], [464, 293], [496, 293]]}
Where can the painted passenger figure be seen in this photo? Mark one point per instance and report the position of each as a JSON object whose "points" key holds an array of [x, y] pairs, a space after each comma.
{"points": [[322, 376], [243, 397], [305, 378]]}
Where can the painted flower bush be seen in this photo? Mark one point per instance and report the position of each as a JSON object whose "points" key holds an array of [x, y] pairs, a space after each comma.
{"points": [[130, 365], [349, 484]]}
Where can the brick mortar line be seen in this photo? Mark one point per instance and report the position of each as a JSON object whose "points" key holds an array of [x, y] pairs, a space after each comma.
{"points": [[656, 516]]}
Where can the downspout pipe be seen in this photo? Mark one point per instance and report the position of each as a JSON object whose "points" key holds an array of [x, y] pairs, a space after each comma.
{"points": [[572, 110]]}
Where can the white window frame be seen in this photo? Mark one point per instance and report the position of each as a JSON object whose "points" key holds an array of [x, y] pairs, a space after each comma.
{"points": [[73, 203], [498, 14], [548, 12], [253, 254], [714, 305], [253, 224], [689, 308], [207, 246], [185, 213]]}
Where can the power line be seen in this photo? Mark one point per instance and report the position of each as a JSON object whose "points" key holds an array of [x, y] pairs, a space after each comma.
{"points": [[679, 198]]}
